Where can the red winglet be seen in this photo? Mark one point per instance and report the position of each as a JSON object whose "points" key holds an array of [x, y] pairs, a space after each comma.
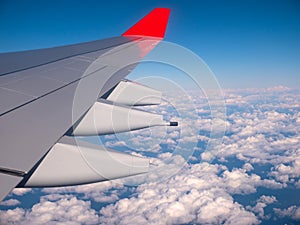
{"points": [[153, 24]]}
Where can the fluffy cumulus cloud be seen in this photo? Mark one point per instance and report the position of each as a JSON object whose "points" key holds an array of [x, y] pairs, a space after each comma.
{"points": [[291, 212], [10, 202], [63, 210], [288, 172], [107, 191], [14, 216], [262, 129], [196, 195], [260, 150], [62, 205], [21, 191], [261, 204]]}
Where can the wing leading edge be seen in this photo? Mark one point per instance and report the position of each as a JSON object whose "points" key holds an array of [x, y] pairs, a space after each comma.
{"points": [[45, 92]]}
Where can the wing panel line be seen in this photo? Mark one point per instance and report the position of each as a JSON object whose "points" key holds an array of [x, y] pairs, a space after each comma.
{"points": [[74, 81], [70, 56]]}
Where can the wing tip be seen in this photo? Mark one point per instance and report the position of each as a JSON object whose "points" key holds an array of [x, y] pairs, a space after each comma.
{"points": [[154, 24]]}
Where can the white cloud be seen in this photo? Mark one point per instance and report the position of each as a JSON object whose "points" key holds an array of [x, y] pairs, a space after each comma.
{"points": [[10, 202], [248, 167], [195, 195], [12, 217], [287, 173], [262, 129], [112, 144], [261, 203], [238, 181], [279, 88], [266, 134], [107, 191], [21, 191], [257, 136], [66, 210], [292, 212]]}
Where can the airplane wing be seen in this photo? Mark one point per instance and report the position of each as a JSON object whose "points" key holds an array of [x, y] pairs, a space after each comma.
{"points": [[49, 96]]}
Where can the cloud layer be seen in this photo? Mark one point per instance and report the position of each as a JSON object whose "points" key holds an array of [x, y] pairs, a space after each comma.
{"points": [[260, 149]]}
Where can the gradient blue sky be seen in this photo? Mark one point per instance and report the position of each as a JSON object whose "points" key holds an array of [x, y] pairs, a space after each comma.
{"points": [[245, 43]]}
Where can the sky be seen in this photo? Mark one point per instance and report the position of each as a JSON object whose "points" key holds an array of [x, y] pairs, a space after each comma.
{"points": [[245, 43]]}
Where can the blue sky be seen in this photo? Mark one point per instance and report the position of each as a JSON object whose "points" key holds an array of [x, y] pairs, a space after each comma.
{"points": [[245, 43]]}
